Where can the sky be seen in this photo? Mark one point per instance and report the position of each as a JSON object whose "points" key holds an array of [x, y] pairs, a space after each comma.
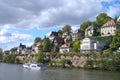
{"points": [[23, 20]]}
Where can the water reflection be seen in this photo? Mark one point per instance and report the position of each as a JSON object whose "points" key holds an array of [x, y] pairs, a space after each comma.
{"points": [[17, 72]]}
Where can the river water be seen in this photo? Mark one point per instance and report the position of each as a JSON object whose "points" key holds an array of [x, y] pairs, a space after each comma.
{"points": [[17, 72]]}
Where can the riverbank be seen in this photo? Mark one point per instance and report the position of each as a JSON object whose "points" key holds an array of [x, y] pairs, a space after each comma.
{"points": [[90, 61]]}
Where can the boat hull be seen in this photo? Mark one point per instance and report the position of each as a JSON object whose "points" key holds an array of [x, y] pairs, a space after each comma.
{"points": [[34, 67]]}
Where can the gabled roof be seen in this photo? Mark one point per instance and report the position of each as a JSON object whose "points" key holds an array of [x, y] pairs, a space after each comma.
{"points": [[108, 23], [54, 33], [22, 46], [78, 31], [91, 27]]}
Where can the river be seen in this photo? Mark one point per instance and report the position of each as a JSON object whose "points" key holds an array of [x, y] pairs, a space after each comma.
{"points": [[17, 72]]}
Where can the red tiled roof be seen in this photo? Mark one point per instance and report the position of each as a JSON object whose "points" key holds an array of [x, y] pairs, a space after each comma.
{"points": [[110, 22], [59, 40]]}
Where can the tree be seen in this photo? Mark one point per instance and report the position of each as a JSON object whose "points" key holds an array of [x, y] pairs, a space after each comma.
{"points": [[37, 39], [10, 58], [39, 57], [76, 46], [1, 54], [66, 28], [116, 40], [84, 25], [102, 18], [46, 45], [60, 32]]}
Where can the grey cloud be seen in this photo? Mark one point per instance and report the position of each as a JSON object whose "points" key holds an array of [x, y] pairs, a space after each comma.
{"points": [[44, 13]]}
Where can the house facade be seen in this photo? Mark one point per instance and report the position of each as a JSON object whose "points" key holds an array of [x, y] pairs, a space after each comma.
{"points": [[88, 45], [53, 35], [57, 42], [118, 19], [109, 28], [65, 48], [77, 34], [89, 31]]}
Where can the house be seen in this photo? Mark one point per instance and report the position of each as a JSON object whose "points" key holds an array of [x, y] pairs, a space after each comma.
{"points": [[6, 52], [109, 28], [36, 47], [53, 35], [57, 42], [88, 45], [118, 19], [21, 48], [65, 48], [89, 31], [13, 50], [77, 34], [26, 50]]}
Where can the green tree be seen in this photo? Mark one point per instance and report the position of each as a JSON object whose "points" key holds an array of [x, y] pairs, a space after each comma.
{"points": [[76, 46], [60, 33], [37, 39], [65, 62], [46, 45], [116, 40], [39, 57], [1, 54], [10, 58], [102, 18], [66, 28], [84, 25]]}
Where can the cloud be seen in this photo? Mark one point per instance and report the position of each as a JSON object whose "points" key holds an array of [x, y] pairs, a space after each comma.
{"points": [[45, 14], [8, 39]]}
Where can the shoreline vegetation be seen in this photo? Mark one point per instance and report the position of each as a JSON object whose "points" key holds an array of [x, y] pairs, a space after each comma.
{"points": [[97, 61]]}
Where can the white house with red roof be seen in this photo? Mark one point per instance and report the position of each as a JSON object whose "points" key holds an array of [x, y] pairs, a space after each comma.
{"points": [[65, 48], [109, 28]]}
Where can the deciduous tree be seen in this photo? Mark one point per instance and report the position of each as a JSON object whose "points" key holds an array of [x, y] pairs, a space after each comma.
{"points": [[76, 46], [46, 45], [66, 28], [37, 39], [84, 25], [102, 18]]}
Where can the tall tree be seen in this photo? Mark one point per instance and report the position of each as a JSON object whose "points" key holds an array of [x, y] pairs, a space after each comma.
{"points": [[84, 25], [37, 39], [46, 45], [60, 33], [39, 57], [102, 18], [1, 54], [116, 40], [66, 28], [76, 46]]}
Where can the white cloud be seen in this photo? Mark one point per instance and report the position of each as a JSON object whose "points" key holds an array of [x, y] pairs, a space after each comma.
{"points": [[113, 11], [48, 34], [7, 38], [44, 14], [75, 27]]}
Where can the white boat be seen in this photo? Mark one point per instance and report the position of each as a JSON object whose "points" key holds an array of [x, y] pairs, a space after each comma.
{"points": [[34, 66]]}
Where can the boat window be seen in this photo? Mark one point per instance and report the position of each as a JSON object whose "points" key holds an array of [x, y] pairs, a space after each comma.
{"points": [[33, 66]]}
